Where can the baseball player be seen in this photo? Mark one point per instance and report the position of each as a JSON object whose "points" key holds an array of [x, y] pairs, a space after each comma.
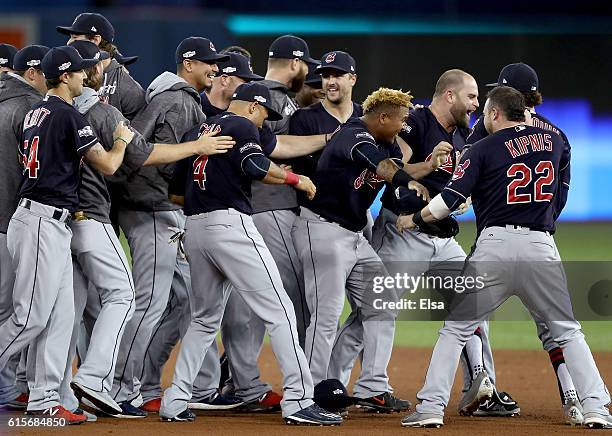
{"points": [[118, 88], [312, 92], [512, 177], [146, 216], [359, 158], [55, 139], [227, 254], [445, 121], [20, 88], [7, 53], [524, 78]]}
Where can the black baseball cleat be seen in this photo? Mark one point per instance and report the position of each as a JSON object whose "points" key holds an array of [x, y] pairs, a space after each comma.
{"points": [[384, 403], [185, 416], [500, 404], [314, 415]]}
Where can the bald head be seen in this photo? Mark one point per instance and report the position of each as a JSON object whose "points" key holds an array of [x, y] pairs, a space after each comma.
{"points": [[451, 80]]}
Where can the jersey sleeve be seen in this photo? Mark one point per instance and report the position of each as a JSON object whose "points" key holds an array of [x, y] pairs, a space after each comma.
{"points": [[564, 177], [411, 132], [347, 141], [478, 132], [464, 178], [132, 96], [267, 140], [247, 140], [79, 132]]}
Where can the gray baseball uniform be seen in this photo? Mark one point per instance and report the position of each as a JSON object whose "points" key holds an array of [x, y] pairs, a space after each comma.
{"points": [[173, 107], [16, 99], [120, 90]]}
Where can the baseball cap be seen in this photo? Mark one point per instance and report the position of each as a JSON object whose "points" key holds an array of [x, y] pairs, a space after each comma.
{"points": [[290, 47], [64, 59], [254, 91], [332, 395], [89, 23], [238, 65], [200, 49], [7, 54], [337, 60], [313, 79], [89, 50], [30, 57], [125, 60], [519, 76]]}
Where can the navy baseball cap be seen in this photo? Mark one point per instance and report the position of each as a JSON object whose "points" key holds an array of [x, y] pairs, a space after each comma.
{"points": [[7, 54], [238, 65], [290, 47], [200, 49], [89, 50], [313, 79], [332, 395], [407, 201], [30, 57], [90, 24], [125, 60], [64, 59], [254, 91], [337, 60], [519, 76]]}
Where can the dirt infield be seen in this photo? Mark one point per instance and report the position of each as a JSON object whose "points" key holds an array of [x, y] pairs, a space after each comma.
{"points": [[527, 375]]}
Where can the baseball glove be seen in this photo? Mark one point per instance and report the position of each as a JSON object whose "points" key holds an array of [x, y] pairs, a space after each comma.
{"points": [[445, 228]]}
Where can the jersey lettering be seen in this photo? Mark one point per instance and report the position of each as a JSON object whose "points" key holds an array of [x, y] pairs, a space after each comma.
{"points": [[529, 143], [30, 158], [522, 177], [35, 117], [199, 171]]}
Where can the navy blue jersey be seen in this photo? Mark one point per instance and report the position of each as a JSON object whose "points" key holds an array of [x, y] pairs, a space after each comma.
{"points": [[422, 132], [267, 137], [346, 188], [55, 137], [512, 177], [479, 132], [314, 120], [219, 181]]}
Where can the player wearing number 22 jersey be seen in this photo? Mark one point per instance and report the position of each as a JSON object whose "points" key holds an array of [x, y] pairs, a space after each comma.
{"points": [[516, 170]]}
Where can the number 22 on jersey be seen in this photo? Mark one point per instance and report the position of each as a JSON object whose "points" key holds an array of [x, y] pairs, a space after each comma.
{"points": [[522, 176], [30, 158]]}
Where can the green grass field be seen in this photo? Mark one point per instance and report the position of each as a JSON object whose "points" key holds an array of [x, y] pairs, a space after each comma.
{"points": [[576, 241]]}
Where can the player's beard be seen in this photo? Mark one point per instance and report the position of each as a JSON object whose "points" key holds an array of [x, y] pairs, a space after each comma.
{"points": [[297, 83], [460, 116]]}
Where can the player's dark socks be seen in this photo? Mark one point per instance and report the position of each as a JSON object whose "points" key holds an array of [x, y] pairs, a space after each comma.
{"points": [[567, 391]]}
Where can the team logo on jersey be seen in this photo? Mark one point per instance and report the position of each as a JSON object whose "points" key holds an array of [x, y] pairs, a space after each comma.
{"points": [[369, 178], [250, 145], [64, 66], [209, 128], [330, 57], [460, 171], [85, 131], [446, 166], [189, 54]]}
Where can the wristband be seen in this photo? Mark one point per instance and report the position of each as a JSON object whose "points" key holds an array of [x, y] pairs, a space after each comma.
{"points": [[401, 178], [291, 178], [418, 219], [120, 139]]}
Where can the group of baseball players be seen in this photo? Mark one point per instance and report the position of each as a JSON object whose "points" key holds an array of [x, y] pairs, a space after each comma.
{"points": [[245, 202]]}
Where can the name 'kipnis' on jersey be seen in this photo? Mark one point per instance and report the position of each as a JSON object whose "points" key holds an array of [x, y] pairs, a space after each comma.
{"points": [[512, 176]]}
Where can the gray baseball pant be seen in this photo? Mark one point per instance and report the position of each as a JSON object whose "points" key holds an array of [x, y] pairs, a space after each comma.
{"points": [[224, 246], [42, 299], [525, 263]]}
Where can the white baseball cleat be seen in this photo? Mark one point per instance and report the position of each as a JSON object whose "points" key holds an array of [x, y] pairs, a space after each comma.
{"points": [[597, 420], [481, 390], [572, 410], [417, 419]]}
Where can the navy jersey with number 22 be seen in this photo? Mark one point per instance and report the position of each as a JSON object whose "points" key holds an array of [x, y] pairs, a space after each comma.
{"points": [[55, 137], [512, 176]]}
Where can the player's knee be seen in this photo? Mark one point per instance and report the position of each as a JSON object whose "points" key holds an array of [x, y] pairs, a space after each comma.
{"points": [[459, 331], [571, 334]]}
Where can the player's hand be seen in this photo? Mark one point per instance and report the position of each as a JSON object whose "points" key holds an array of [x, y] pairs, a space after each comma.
{"points": [[286, 167], [440, 154], [404, 222], [124, 132], [463, 207], [421, 190], [209, 144], [307, 186]]}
